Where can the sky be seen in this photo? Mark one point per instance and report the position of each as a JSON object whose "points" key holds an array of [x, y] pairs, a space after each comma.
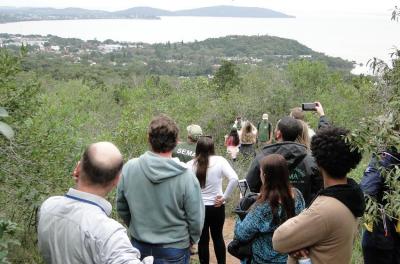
{"points": [[292, 7]]}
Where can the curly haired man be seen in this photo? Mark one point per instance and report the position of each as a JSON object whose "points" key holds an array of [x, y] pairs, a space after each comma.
{"points": [[326, 230]]}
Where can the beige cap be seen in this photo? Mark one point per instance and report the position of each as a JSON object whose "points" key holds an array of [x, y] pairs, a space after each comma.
{"points": [[265, 116], [194, 131]]}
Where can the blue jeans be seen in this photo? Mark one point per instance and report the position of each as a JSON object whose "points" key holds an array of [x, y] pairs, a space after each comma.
{"points": [[163, 255]]}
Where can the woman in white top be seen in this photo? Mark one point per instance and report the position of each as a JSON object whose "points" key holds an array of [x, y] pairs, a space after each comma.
{"points": [[209, 170]]}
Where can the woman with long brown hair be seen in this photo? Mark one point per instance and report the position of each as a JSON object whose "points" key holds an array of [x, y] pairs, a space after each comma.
{"points": [[210, 170], [277, 202], [248, 137], [304, 137]]}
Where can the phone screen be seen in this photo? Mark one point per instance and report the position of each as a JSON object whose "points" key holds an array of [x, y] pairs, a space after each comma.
{"points": [[243, 187], [308, 106]]}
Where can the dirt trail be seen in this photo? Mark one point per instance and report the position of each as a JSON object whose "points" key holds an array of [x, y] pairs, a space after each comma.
{"points": [[229, 226]]}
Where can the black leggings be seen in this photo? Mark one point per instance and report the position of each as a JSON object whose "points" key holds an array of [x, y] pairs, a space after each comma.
{"points": [[213, 221]]}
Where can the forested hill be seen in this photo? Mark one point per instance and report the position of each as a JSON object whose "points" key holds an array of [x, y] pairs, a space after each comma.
{"points": [[175, 59], [11, 14], [232, 11], [212, 11]]}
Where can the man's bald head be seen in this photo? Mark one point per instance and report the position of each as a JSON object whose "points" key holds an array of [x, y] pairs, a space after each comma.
{"points": [[101, 163]]}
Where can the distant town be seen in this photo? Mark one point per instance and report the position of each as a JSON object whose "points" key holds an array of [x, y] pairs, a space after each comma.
{"points": [[41, 43]]}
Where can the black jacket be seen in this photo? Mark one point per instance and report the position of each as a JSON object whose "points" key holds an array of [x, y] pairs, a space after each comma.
{"points": [[304, 174], [349, 194], [323, 122], [373, 184]]}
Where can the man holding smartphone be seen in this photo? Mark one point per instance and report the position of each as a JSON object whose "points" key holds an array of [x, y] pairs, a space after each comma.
{"points": [[304, 172]]}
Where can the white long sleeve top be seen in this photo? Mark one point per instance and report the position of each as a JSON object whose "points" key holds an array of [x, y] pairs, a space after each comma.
{"points": [[218, 168]]}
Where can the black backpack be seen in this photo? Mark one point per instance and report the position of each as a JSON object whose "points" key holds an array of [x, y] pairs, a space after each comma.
{"points": [[242, 250]]}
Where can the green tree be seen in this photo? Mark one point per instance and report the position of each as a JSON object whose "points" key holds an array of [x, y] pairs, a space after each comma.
{"points": [[227, 76], [17, 95], [382, 132], [7, 234]]}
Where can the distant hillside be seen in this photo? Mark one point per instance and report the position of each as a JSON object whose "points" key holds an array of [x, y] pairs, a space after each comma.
{"points": [[174, 59], [143, 11], [47, 11], [232, 11], [11, 14]]}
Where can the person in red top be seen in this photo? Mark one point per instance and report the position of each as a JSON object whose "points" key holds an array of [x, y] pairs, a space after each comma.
{"points": [[232, 143]]}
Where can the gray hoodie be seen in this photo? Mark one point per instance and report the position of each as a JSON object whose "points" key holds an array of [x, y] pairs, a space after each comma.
{"points": [[160, 200]]}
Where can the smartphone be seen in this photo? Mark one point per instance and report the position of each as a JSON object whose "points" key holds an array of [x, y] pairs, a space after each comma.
{"points": [[308, 106], [243, 187]]}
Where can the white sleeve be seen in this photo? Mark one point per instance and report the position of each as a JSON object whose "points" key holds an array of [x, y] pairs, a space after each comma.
{"points": [[231, 175], [119, 250], [191, 166]]}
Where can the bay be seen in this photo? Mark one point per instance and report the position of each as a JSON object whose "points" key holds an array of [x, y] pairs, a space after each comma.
{"points": [[356, 38]]}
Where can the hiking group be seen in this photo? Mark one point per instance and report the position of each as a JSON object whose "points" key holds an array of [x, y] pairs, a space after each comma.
{"points": [[304, 208]]}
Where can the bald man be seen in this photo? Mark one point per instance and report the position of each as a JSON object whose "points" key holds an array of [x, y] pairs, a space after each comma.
{"points": [[75, 228]]}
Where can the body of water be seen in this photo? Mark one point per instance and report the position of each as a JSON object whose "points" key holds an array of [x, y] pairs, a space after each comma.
{"points": [[355, 38]]}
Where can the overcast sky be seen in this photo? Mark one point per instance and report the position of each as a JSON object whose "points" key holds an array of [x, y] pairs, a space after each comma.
{"points": [[293, 7]]}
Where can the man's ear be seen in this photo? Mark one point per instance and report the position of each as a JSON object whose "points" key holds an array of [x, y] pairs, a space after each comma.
{"points": [[77, 171], [116, 180], [148, 141], [278, 134]]}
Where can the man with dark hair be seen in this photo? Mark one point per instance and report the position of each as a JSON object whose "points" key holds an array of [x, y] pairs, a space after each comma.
{"points": [[326, 230], [160, 199], [75, 228], [288, 129], [185, 151], [304, 172]]}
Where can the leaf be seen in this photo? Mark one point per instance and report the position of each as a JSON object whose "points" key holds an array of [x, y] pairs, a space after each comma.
{"points": [[3, 112], [6, 130]]}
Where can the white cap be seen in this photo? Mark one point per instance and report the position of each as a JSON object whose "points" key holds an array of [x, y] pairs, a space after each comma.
{"points": [[194, 131]]}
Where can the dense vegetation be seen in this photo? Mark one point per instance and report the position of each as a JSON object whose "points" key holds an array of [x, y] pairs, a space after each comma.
{"points": [[56, 109]]}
